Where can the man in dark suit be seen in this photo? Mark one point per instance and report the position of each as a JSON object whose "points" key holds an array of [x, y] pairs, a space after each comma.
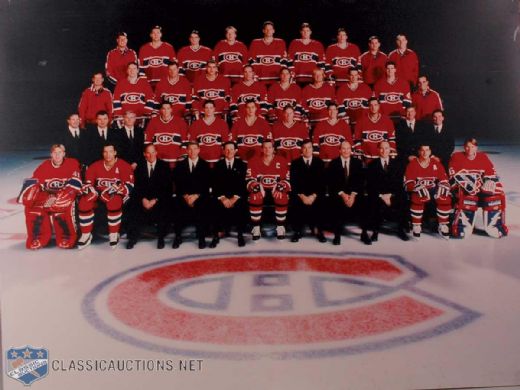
{"points": [[409, 133], [192, 181], [74, 139], [308, 192], [151, 200], [386, 194], [345, 181], [440, 138], [130, 140], [97, 136], [230, 195]]}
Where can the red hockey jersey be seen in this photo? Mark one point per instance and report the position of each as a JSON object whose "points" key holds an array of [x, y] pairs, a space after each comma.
{"points": [[216, 90], [210, 138], [369, 133], [249, 138], [193, 62], [278, 98], [289, 140], [102, 178], [475, 171], [179, 95], [137, 97], [341, 60], [373, 66], [154, 62], [393, 97], [231, 59], [267, 59], [52, 178], [117, 62], [426, 103], [315, 101], [304, 58], [268, 175], [407, 65], [168, 137], [430, 177], [327, 138], [353, 103], [242, 93], [93, 101]]}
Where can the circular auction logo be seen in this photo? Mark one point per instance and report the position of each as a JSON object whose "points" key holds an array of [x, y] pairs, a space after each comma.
{"points": [[279, 305]]}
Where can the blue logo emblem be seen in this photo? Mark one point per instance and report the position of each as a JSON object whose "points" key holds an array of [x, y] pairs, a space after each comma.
{"points": [[27, 364]]}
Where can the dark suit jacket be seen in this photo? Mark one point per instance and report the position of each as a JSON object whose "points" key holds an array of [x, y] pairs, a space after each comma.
{"points": [[443, 144], [229, 182], [95, 143], [196, 182], [130, 150], [381, 182], [337, 181], [408, 141], [308, 180], [75, 147], [159, 185]]}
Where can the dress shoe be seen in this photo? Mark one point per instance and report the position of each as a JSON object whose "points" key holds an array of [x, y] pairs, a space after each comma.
{"points": [[177, 241], [375, 236], [296, 237], [336, 240], [130, 244], [365, 239], [402, 235], [241, 241], [160, 243], [202, 243], [321, 237], [214, 242]]}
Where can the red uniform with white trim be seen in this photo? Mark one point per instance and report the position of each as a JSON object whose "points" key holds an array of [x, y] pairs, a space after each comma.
{"points": [[154, 62], [210, 138], [179, 94], [93, 101], [289, 140], [426, 103], [116, 63], [268, 59], [353, 103], [137, 97], [241, 93], [112, 187], [51, 192], [193, 61], [315, 101], [393, 97], [273, 178], [428, 184], [304, 58], [373, 66], [169, 137], [249, 139], [217, 90], [278, 98], [327, 139], [369, 133], [341, 60], [407, 65], [231, 59]]}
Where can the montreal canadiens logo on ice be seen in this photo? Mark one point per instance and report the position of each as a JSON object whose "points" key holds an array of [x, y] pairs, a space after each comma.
{"points": [[27, 364], [281, 305]]}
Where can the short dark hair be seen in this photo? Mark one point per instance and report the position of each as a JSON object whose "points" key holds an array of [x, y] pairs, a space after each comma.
{"points": [[101, 112], [268, 23], [229, 143]]}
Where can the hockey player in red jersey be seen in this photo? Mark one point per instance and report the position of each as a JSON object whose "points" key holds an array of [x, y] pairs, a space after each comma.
{"points": [[426, 181], [231, 55], [194, 58], [268, 176], [249, 133], [94, 99], [119, 58], [155, 56], [288, 135], [50, 195], [210, 132], [268, 55], [329, 134], [175, 90], [133, 93], [372, 129], [341, 57], [475, 184], [406, 61], [211, 86], [393, 93], [353, 98], [317, 96], [109, 180], [248, 90], [373, 62], [305, 54], [284, 93], [168, 134], [426, 100]]}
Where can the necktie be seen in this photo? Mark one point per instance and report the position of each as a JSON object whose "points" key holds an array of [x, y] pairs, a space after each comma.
{"points": [[229, 166], [437, 129], [308, 163], [345, 169], [131, 132], [385, 165], [192, 166], [151, 170], [76, 133], [103, 134]]}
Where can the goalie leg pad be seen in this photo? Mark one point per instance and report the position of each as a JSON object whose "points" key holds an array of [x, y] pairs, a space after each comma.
{"points": [[65, 228], [38, 229], [494, 215]]}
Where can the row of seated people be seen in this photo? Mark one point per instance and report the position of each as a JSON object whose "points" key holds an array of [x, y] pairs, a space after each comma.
{"points": [[218, 197], [170, 134], [134, 93]]}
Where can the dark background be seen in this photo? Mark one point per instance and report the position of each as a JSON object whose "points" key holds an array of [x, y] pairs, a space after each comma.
{"points": [[50, 49]]}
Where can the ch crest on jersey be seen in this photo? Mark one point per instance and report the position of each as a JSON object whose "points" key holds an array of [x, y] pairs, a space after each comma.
{"points": [[332, 140], [156, 62], [375, 136], [343, 62], [428, 182], [392, 98], [163, 139], [54, 184], [284, 103], [105, 182], [173, 99], [318, 103], [289, 143], [354, 104], [267, 60], [304, 57], [195, 65], [250, 140], [209, 139], [132, 98], [232, 57], [268, 180], [211, 94]]}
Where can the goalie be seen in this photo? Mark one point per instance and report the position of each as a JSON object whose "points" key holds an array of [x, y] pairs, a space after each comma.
{"points": [[49, 197], [475, 184]]}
